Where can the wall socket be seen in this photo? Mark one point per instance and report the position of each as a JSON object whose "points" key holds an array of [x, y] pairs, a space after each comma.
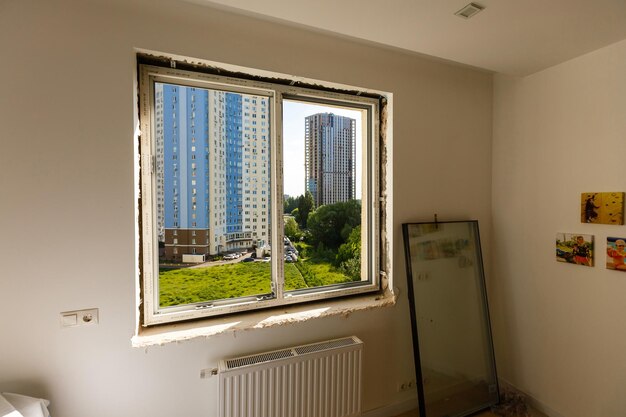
{"points": [[79, 317], [406, 386]]}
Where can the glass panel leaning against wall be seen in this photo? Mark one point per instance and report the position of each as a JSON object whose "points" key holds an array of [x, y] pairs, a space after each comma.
{"points": [[223, 159]]}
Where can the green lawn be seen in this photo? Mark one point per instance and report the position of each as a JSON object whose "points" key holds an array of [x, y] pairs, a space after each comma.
{"points": [[193, 285], [317, 273]]}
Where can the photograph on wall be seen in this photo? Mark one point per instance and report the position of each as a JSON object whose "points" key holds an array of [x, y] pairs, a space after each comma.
{"points": [[615, 253], [602, 208], [574, 248]]}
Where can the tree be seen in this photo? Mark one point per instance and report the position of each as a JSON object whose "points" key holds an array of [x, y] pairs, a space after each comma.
{"points": [[332, 224], [292, 231], [290, 204], [305, 205], [352, 247], [349, 254], [296, 214]]}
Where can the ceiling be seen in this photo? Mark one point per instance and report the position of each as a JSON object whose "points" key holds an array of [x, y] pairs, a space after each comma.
{"points": [[517, 37]]}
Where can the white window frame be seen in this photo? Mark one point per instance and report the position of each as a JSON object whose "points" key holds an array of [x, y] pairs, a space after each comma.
{"points": [[151, 312]]}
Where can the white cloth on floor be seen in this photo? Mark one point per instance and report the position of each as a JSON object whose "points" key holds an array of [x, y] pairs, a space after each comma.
{"points": [[16, 405], [7, 409]]}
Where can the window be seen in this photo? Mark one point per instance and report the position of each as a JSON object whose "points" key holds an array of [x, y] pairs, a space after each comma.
{"points": [[316, 235]]}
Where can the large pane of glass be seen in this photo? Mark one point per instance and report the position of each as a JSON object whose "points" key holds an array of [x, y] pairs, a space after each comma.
{"points": [[324, 187], [212, 152], [451, 332]]}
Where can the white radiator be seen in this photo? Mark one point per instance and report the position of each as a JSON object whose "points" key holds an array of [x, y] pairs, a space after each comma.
{"points": [[316, 380]]}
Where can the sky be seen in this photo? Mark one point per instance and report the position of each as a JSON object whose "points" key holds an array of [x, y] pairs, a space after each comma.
{"points": [[294, 113]]}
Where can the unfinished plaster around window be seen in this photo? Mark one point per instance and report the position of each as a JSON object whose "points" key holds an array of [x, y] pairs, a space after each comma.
{"points": [[288, 314], [260, 319]]}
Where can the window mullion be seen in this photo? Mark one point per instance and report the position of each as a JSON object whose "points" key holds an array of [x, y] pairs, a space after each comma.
{"points": [[276, 180]]}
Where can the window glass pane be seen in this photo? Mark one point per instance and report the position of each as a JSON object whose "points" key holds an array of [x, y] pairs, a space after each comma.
{"points": [[324, 188], [212, 152]]}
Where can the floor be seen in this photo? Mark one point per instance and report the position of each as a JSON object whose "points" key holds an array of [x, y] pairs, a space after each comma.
{"points": [[415, 413], [449, 395]]}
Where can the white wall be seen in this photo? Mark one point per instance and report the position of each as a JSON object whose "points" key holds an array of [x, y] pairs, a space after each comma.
{"points": [[66, 183], [559, 328]]}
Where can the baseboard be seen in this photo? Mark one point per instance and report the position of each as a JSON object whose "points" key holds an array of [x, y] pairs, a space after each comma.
{"points": [[393, 409], [530, 400]]}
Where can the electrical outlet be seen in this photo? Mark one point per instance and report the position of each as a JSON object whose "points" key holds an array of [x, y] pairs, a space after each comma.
{"points": [[406, 385], [79, 317]]}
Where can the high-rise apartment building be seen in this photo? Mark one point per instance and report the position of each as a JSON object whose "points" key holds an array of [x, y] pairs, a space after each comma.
{"points": [[330, 158], [212, 173]]}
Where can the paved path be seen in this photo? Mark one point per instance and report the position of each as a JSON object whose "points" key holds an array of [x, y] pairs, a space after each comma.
{"points": [[222, 262]]}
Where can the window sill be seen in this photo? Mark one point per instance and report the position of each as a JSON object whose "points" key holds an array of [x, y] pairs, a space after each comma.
{"points": [[164, 334]]}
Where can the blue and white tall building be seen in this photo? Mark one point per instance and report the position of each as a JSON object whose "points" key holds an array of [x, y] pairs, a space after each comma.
{"points": [[213, 170]]}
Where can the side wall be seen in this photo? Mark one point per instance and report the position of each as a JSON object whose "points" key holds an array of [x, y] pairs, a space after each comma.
{"points": [[66, 172], [559, 328]]}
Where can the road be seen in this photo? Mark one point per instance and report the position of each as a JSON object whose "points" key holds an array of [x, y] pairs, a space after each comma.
{"points": [[222, 262]]}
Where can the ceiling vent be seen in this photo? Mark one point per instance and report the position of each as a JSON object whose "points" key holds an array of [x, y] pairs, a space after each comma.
{"points": [[469, 10]]}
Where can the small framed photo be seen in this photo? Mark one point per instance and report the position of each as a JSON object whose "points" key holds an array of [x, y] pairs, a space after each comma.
{"points": [[615, 253], [575, 248], [602, 208]]}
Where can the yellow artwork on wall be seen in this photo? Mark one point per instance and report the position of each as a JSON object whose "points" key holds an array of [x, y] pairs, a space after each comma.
{"points": [[602, 208]]}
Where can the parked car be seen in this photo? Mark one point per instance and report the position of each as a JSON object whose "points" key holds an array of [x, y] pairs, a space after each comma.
{"points": [[248, 260]]}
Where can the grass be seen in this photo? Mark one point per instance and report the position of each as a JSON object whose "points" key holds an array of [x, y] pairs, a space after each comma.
{"points": [[330, 274], [317, 273], [194, 285]]}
